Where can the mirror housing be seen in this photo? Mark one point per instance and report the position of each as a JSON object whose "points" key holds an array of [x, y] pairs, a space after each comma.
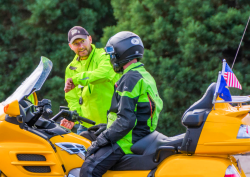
{"points": [[12, 109]]}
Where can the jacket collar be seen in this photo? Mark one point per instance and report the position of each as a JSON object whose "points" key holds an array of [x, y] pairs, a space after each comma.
{"points": [[132, 66]]}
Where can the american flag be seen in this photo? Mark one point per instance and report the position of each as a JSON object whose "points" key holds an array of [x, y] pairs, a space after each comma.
{"points": [[230, 78]]}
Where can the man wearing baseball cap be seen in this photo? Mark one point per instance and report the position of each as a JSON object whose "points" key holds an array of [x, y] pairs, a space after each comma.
{"points": [[89, 80]]}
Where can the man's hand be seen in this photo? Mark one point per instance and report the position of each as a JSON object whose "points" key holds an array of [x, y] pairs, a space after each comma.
{"points": [[101, 141], [69, 85], [67, 124], [92, 149], [98, 128]]}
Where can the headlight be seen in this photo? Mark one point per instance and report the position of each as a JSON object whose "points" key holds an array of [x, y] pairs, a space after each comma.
{"points": [[244, 132]]}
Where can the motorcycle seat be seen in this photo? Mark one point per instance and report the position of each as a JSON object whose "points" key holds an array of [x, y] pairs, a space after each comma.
{"points": [[144, 151]]}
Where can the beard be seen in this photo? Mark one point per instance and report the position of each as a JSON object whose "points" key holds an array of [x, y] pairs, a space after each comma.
{"points": [[84, 53]]}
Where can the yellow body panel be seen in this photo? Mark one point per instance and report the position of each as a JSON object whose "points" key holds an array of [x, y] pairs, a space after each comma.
{"points": [[195, 166], [219, 134], [70, 161], [127, 173], [19, 141]]}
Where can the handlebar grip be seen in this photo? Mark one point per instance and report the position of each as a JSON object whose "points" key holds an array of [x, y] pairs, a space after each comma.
{"points": [[87, 120], [49, 111]]}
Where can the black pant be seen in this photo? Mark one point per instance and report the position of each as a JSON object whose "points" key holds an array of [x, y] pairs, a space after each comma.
{"points": [[100, 162]]}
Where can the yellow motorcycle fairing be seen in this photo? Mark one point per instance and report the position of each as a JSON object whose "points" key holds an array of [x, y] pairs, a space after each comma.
{"points": [[19, 143], [219, 134]]}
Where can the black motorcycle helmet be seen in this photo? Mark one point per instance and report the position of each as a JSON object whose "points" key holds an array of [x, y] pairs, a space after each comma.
{"points": [[122, 48]]}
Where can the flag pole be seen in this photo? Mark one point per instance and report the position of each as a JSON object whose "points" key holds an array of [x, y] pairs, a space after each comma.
{"points": [[240, 43], [223, 67], [217, 87]]}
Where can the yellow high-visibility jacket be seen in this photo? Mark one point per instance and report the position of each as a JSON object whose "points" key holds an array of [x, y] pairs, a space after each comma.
{"points": [[94, 79]]}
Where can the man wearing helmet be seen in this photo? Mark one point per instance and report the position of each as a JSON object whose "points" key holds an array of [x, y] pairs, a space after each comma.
{"points": [[134, 110]]}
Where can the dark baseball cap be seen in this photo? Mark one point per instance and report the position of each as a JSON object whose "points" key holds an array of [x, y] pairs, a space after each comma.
{"points": [[77, 32]]}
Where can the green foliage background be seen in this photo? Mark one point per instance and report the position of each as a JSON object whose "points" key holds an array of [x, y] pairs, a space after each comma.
{"points": [[185, 42], [30, 29]]}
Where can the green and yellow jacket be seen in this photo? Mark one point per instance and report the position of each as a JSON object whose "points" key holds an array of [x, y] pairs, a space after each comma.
{"points": [[135, 108], [94, 79]]}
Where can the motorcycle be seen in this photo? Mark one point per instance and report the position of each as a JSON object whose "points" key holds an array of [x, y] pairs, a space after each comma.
{"points": [[33, 146]]}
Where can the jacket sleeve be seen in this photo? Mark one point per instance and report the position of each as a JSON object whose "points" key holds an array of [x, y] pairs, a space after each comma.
{"points": [[72, 97], [103, 73], [126, 116]]}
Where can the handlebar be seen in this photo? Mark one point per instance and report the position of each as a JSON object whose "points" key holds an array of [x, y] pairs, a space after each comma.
{"points": [[45, 106], [71, 116], [87, 120], [48, 111]]}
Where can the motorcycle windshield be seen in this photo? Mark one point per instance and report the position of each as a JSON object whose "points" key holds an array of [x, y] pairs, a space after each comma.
{"points": [[33, 83]]}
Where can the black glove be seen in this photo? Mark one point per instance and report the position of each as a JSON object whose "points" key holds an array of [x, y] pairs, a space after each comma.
{"points": [[98, 128], [92, 149], [101, 141]]}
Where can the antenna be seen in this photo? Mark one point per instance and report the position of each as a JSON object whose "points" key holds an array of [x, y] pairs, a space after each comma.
{"points": [[240, 43]]}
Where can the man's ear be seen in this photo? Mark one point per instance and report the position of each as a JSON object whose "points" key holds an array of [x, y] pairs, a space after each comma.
{"points": [[70, 45], [90, 39]]}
